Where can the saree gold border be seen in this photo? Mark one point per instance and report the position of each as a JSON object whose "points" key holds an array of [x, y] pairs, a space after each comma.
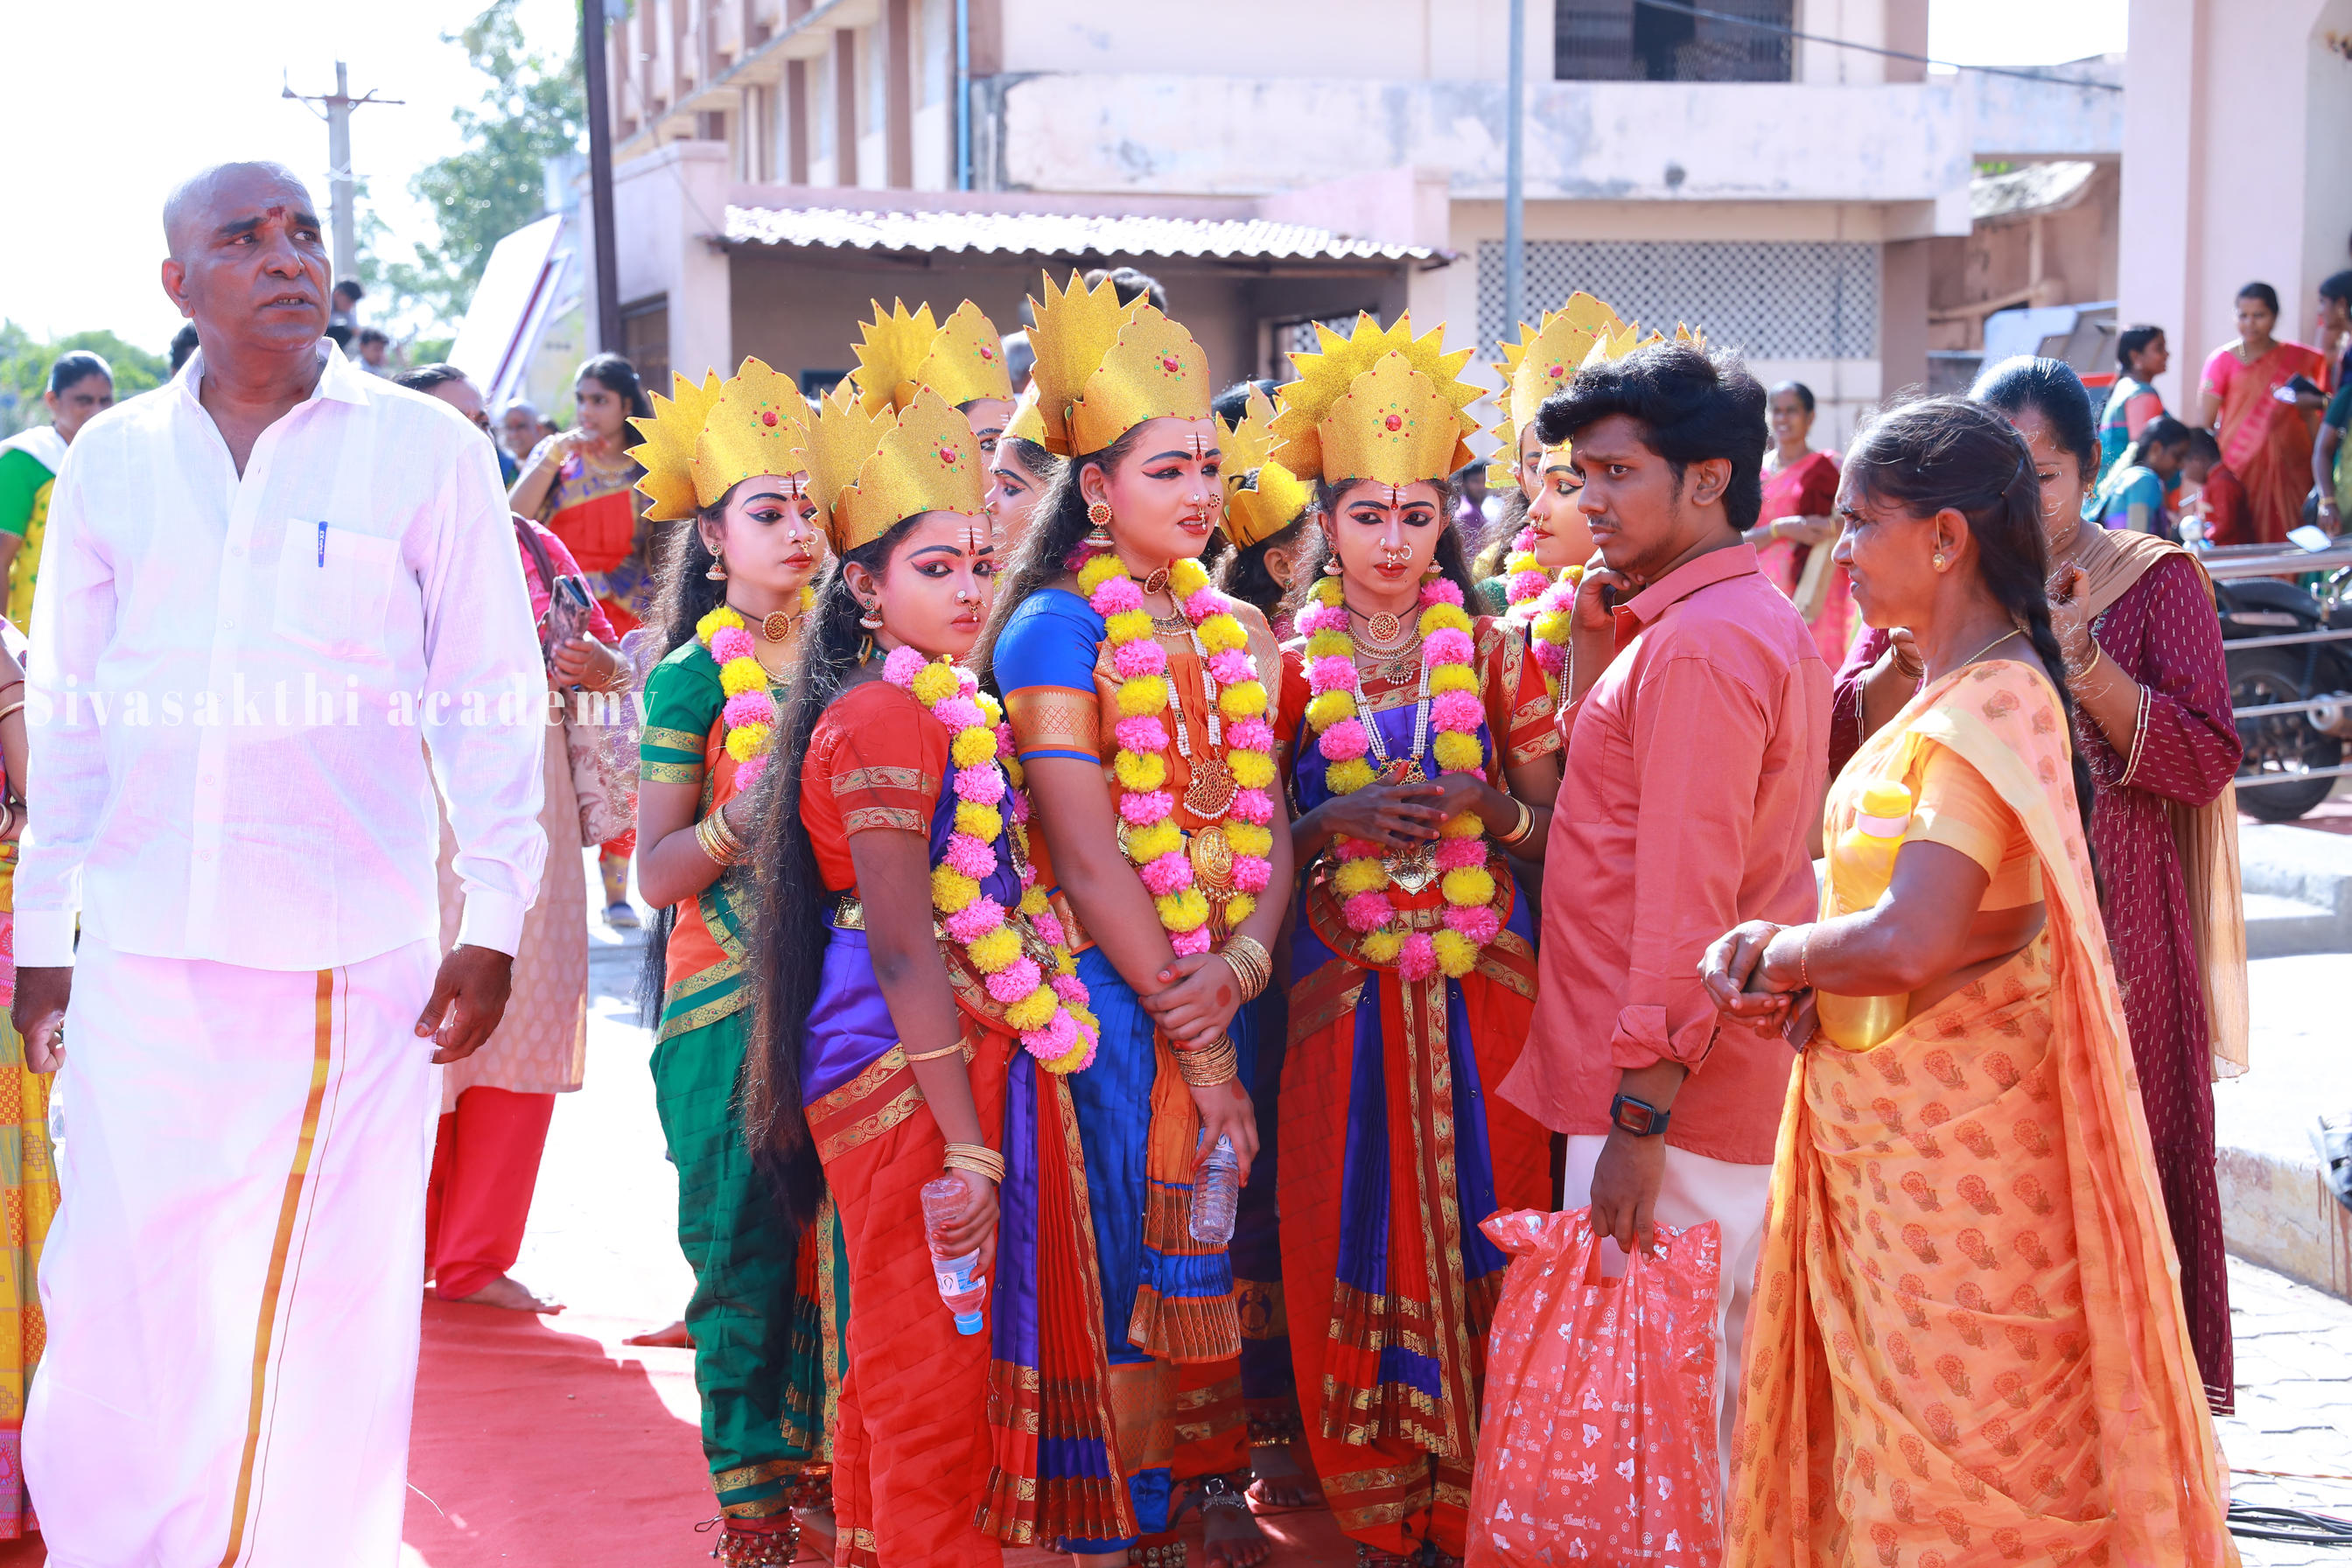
{"points": [[273, 1287], [833, 1353], [1065, 1110], [1442, 1242]]}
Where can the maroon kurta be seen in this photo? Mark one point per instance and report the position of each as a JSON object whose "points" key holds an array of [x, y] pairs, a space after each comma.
{"points": [[2163, 634]]}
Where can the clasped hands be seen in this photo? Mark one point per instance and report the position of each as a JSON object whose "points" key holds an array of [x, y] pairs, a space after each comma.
{"points": [[1753, 974]]}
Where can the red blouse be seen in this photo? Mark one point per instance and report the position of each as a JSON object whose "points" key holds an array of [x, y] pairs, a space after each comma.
{"points": [[877, 761]]}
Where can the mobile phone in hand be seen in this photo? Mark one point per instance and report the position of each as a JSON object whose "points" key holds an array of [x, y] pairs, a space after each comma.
{"points": [[568, 612]]}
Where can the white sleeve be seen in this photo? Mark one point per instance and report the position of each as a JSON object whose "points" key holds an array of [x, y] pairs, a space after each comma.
{"points": [[73, 622], [478, 637]]}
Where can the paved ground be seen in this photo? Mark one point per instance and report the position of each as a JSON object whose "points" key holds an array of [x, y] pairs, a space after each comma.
{"points": [[601, 1239]]}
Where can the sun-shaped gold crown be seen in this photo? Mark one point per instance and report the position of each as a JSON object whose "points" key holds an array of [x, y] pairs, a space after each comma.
{"points": [[870, 471], [1544, 360], [1378, 404], [1262, 507], [666, 454], [961, 358], [1103, 368]]}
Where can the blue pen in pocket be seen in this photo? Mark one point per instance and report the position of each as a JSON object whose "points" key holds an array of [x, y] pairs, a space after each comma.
{"points": [[322, 543]]}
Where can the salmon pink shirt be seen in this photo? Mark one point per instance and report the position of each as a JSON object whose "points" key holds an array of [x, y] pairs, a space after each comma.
{"points": [[1696, 767]]}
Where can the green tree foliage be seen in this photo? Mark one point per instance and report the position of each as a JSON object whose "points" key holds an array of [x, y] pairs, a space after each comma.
{"points": [[25, 363], [533, 109]]}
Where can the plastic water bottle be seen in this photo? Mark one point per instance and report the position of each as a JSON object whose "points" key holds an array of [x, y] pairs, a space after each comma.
{"points": [[959, 1286], [1216, 1191], [1862, 865]]}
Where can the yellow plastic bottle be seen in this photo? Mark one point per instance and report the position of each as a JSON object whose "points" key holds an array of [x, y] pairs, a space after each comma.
{"points": [[1862, 865]]}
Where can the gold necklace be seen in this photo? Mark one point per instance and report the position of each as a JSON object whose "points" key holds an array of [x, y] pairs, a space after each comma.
{"points": [[1383, 633], [1986, 650]]}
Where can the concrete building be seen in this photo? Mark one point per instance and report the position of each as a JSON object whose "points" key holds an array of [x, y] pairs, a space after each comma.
{"points": [[1276, 161], [2237, 167]]}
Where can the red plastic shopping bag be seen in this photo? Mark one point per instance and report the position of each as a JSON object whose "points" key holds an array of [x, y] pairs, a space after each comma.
{"points": [[1597, 1444]]}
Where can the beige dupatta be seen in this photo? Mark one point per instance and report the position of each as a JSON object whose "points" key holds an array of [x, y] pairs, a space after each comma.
{"points": [[2206, 837]]}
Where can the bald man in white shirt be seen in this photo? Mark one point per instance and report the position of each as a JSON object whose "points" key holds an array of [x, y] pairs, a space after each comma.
{"points": [[265, 584]]}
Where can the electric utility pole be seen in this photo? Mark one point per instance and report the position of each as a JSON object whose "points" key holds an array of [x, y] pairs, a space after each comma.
{"points": [[336, 108], [1515, 195], [592, 48]]}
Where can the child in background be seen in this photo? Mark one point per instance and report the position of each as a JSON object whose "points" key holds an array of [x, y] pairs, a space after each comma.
{"points": [[2219, 503]]}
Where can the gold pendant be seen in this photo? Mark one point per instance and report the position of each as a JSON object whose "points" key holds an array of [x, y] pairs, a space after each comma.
{"points": [[1213, 862], [1210, 793], [777, 625], [1384, 627], [1415, 869], [1402, 770], [1155, 582]]}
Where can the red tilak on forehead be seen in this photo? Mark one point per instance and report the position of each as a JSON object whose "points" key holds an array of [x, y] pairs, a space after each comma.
{"points": [[1200, 446]]}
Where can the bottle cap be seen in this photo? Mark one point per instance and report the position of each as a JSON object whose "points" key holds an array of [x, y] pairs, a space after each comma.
{"points": [[1883, 799], [967, 1322]]}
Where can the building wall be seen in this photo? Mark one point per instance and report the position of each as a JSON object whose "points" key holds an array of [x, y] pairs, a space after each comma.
{"points": [[2237, 136]]}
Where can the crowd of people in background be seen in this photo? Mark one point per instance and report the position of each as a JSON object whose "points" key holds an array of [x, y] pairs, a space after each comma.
{"points": [[1062, 788]]}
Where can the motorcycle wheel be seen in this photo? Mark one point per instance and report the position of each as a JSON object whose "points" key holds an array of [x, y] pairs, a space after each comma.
{"points": [[2278, 745]]}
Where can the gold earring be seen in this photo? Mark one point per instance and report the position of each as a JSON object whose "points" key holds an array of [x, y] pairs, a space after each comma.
{"points": [[872, 619], [1098, 513], [1331, 565], [1431, 572], [1939, 561], [718, 573]]}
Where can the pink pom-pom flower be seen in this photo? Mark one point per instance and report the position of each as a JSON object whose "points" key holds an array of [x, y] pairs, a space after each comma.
{"points": [[1440, 591], [1457, 711], [1460, 854], [1418, 961], [901, 667], [959, 713], [1254, 806], [1138, 658], [1016, 980], [970, 855], [975, 920], [747, 773], [1232, 666], [1142, 732], [1550, 657], [1166, 874], [1070, 989], [1356, 849], [1447, 645], [1253, 873], [754, 706], [1251, 734], [1186, 942], [1366, 911], [1332, 672], [1053, 1041], [1479, 922], [730, 643], [1525, 585], [1144, 807], [1343, 742], [982, 786], [1118, 595], [1205, 602]]}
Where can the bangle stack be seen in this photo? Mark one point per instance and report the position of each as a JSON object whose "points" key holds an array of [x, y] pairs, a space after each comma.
{"points": [[1521, 829], [978, 1158], [1210, 1065], [1252, 964], [718, 840]]}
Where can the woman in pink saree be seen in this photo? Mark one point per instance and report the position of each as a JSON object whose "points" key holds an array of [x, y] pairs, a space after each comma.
{"points": [[2266, 443]]}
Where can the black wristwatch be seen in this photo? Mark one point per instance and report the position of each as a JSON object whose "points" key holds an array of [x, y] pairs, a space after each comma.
{"points": [[1637, 1117]]}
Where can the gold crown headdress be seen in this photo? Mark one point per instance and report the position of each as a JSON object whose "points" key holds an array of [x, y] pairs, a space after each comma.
{"points": [[1027, 424], [870, 471], [1103, 368], [1544, 359], [702, 441], [961, 358], [1260, 509], [1378, 404]]}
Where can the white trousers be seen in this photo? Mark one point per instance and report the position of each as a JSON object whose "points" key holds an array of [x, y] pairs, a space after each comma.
{"points": [[232, 1281], [1696, 1188]]}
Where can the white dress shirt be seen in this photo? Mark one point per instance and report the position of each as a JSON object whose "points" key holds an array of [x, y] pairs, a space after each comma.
{"points": [[234, 680]]}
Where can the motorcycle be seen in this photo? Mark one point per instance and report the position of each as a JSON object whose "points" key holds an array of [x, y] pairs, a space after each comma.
{"points": [[2288, 736]]}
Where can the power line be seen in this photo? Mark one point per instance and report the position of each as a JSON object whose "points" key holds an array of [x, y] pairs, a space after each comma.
{"points": [[2046, 81]]}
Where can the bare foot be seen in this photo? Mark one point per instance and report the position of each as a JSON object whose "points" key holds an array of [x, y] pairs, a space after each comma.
{"points": [[508, 1291], [673, 1337], [1230, 1535], [1280, 1483]]}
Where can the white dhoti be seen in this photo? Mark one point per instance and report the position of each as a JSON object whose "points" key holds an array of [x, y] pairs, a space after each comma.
{"points": [[1695, 1188], [232, 1284]]}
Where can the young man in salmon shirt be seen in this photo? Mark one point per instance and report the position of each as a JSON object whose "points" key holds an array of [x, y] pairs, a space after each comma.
{"points": [[1697, 711]]}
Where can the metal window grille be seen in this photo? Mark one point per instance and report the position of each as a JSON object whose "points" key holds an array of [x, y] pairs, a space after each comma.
{"points": [[1624, 40], [1768, 298]]}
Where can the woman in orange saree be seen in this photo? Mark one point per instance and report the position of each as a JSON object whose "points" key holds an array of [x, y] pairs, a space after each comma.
{"points": [[1967, 1344], [918, 1017], [2265, 442]]}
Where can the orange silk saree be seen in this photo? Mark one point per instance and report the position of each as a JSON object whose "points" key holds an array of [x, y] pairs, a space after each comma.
{"points": [[1966, 1345]]}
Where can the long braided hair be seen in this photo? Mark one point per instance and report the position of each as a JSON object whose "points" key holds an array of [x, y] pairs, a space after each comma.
{"points": [[1938, 452]]}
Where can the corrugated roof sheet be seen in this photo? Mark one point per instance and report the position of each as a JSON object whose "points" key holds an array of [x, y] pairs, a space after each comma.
{"points": [[2036, 187], [1055, 234]]}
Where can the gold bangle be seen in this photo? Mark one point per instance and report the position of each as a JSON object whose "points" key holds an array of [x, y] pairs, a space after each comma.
{"points": [[1251, 964], [718, 840], [1521, 829], [17, 707], [1210, 1065], [978, 1158], [953, 1050]]}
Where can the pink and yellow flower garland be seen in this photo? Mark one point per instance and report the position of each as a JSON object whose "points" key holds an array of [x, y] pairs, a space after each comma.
{"points": [[751, 711], [1050, 1012], [1546, 604], [1336, 713], [1155, 845]]}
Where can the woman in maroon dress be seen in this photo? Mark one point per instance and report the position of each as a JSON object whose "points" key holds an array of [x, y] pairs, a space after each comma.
{"points": [[2134, 615]]}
